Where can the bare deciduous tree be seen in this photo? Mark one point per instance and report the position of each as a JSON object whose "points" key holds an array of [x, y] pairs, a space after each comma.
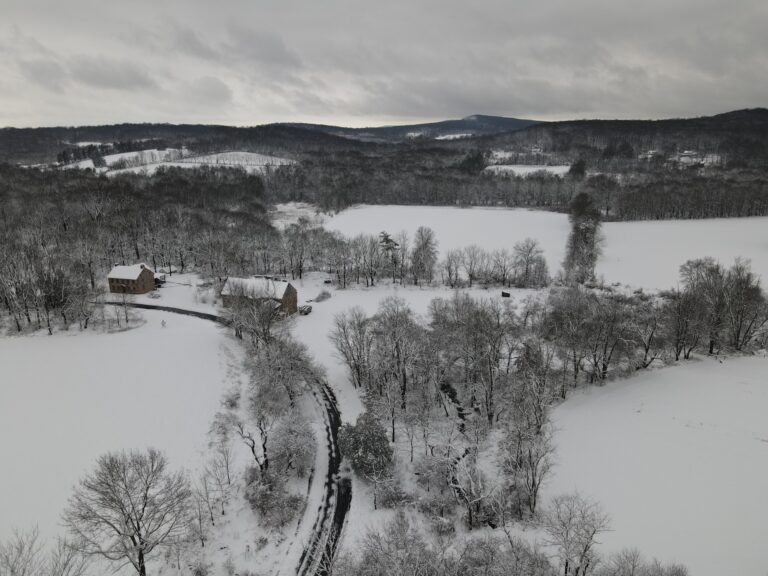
{"points": [[572, 524], [128, 507]]}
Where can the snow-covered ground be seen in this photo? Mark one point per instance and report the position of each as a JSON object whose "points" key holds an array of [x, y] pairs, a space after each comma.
{"points": [[148, 161], [643, 254], [182, 291], [144, 157], [68, 398], [244, 159], [284, 215], [131, 161], [251, 162], [526, 169], [453, 136], [679, 459], [86, 164]]}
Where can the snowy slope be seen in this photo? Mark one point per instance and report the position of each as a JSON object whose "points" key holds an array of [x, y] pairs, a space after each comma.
{"points": [[679, 458], [249, 161], [143, 157]]}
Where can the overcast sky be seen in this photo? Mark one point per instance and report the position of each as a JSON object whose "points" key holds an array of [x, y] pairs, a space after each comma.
{"points": [[357, 62]]}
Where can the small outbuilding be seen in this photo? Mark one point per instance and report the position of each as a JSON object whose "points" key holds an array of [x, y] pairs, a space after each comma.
{"points": [[135, 279], [263, 288]]}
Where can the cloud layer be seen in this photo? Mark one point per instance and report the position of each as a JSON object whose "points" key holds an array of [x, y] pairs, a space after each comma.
{"points": [[358, 62]]}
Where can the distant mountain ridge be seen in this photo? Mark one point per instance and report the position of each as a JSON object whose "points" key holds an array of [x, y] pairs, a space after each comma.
{"points": [[739, 133], [475, 125]]}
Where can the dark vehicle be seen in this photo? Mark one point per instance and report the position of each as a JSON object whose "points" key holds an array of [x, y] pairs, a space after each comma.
{"points": [[304, 310]]}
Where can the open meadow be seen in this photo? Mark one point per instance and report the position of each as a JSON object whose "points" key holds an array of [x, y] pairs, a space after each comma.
{"points": [[644, 254], [68, 398]]}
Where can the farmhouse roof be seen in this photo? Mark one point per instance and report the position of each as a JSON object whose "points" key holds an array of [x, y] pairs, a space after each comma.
{"points": [[127, 272], [255, 287]]}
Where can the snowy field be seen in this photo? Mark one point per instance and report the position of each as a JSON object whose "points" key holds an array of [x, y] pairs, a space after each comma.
{"points": [[679, 458], [249, 161], [526, 169], [283, 215], [182, 291], [68, 398], [148, 161], [640, 254]]}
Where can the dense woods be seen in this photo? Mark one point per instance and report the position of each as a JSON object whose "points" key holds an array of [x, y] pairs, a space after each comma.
{"points": [[61, 232]]}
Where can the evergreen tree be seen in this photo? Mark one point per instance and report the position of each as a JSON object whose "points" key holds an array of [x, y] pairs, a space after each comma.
{"points": [[583, 246]]}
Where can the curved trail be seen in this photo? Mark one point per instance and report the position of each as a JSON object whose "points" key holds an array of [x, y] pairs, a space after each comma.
{"points": [[316, 558]]}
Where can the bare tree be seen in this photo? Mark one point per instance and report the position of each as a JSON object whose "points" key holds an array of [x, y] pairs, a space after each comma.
{"points": [[128, 507], [424, 255], [65, 560], [527, 261], [502, 266], [573, 524], [474, 260], [22, 555], [353, 337], [451, 265], [746, 308], [527, 460]]}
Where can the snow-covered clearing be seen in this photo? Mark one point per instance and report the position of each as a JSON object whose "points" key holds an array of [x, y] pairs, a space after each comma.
{"points": [[143, 157], [244, 159], [283, 215], [183, 291], [81, 164], [526, 169], [453, 136], [68, 398], [644, 254], [679, 458], [250, 161]]}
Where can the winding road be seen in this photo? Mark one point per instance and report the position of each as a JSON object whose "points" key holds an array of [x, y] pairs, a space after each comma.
{"points": [[317, 556]]}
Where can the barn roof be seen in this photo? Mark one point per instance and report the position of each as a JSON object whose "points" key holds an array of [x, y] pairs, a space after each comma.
{"points": [[255, 287], [127, 272]]}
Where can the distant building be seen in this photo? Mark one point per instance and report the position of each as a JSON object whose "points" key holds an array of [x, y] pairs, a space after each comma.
{"points": [[281, 292], [135, 279]]}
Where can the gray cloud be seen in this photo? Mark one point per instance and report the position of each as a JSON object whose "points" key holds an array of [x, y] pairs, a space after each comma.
{"points": [[116, 74], [187, 41], [261, 49], [46, 73], [209, 91], [364, 61]]}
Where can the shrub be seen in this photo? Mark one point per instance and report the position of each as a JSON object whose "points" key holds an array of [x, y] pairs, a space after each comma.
{"points": [[323, 296], [269, 499], [366, 447]]}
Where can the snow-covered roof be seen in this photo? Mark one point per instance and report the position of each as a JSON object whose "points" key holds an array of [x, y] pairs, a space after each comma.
{"points": [[127, 272], [255, 287]]}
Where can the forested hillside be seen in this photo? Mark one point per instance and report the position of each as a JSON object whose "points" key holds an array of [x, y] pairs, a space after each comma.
{"points": [[697, 168]]}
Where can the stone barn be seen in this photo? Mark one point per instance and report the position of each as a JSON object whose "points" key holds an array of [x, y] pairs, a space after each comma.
{"points": [[135, 279], [263, 288]]}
